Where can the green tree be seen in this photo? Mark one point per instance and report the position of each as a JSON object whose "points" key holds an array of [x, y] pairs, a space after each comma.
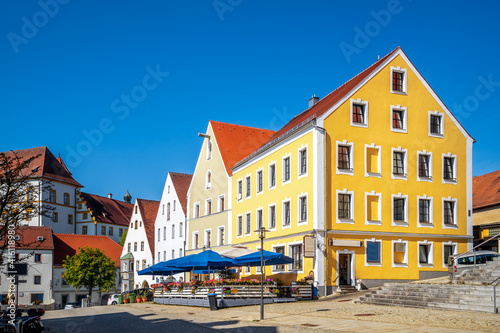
{"points": [[122, 238], [90, 268]]}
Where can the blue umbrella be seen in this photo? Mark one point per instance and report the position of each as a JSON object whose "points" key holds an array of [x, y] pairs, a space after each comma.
{"points": [[160, 269], [270, 258], [206, 259]]}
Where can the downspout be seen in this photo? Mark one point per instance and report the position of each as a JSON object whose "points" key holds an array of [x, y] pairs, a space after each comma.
{"points": [[325, 194], [40, 201]]}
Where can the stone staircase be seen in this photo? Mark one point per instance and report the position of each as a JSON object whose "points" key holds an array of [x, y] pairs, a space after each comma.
{"points": [[472, 292]]}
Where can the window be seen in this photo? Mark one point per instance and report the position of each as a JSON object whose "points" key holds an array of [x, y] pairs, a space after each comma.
{"points": [[110, 231], [286, 169], [120, 232], [173, 231], [168, 211], [240, 225], [344, 161], [173, 254], [208, 238], [344, 206], [209, 180], [272, 175], [425, 254], [359, 113], [70, 219], [436, 128], [302, 161], [103, 230], [373, 208], [259, 181], [37, 279], [29, 195], [135, 246], [448, 250], [399, 163], [164, 255], [136, 206], [449, 169], [66, 199], [162, 209], [85, 216], [399, 253], [248, 224], [286, 213], [209, 149], [279, 249], [137, 268], [164, 233], [373, 249], [29, 214], [398, 119], [248, 188], [173, 208], [195, 240], [399, 210], [142, 246], [129, 247], [296, 251], [84, 230], [196, 210], [38, 257], [449, 212], [240, 189], [52, 196], [180, 252], [259, 219], [221, 203], [55, 217], [79, 206], [398, 80], [180, 229], [424, 166], [136, 224], [272, 217], [208, 206], [303, 209], [143, 264], [424, 210], [220, 240]]}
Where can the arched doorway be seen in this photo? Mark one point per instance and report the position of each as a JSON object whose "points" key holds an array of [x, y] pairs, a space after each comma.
{"points": [[145, 284]]}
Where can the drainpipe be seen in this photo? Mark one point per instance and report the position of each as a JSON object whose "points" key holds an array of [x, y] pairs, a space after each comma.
{"points": [[325, 194]]}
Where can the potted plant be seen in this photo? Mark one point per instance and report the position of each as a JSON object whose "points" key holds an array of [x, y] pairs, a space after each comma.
{"points": [[144, 297], [126, 298]]}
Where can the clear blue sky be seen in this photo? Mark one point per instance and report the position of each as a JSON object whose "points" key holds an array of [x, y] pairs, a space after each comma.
{"points": [[254, 63]]}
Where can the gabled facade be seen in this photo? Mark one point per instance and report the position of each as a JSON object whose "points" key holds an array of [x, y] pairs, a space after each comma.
{"points": [[486, 209], [209, 195], [69, 245], [378, 172], [97, 215], [139, 246], [170, 223]]}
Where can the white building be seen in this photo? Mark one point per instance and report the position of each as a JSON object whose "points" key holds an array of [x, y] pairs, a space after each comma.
{"points": [[138, 249], [170, 224]]}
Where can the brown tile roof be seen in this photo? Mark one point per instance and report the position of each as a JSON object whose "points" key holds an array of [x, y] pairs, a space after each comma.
{"points": [[181, 183], [235, 142], [486, 190], [66, 244], [46, 165], [149, 209], [29, 238], [108, 210]]}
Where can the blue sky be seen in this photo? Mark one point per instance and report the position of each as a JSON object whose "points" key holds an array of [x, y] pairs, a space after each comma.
{"points": [[121, 88]]}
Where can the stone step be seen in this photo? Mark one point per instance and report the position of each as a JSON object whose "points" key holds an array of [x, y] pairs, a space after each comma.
{"points": [[440, 298]]}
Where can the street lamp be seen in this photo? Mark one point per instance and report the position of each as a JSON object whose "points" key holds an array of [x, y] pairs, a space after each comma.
{"points": [[262, 234]]}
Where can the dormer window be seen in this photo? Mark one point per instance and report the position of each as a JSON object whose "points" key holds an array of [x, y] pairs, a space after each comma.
{"points": [[398, 80]]}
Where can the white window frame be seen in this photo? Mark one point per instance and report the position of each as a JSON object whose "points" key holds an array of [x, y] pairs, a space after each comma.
{"points": [[405, 258], [208, 180], [219, 243], [261, 210], [373, 194], [430, 224], [405, 163], [242, 226], [373, 174], [349, 171], [205, 240], [405, 118], [196, 204], [180, 229], [272, 204], [261, 172], [447, 181], [209, 200], [173, 231], [430, 264], [289, 248], [219, 208], [285, 266], [397, 223], [373, 264], [455, 251], [455, 210], [289, 157], [248, 186], [347, 221], [424, 179], [272, 187], [360, 102], [283, 215], [439, 114], [239, 194], [300, 151], [194, 239], [249, 232], [299, 209], [405, 80]]}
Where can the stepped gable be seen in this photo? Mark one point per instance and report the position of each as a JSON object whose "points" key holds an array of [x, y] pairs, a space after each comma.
{"points": [[108, 210], [236, 142], [149, 210], [486, 190], [69, 245], [46, 165], [181, 183]]}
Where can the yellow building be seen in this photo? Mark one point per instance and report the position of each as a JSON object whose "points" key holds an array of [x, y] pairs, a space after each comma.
{"points": [[380, 168]]}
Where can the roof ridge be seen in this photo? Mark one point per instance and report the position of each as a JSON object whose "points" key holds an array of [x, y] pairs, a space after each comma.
{"points": [[105, 197], [256, 128]]}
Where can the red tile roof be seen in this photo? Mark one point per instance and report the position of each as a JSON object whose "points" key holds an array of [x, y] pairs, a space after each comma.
{"points": [[68, 245], [149, 209], [108, 210], [181, 183], [486, 190], [29, 238], [46, 165], [235, 142]]}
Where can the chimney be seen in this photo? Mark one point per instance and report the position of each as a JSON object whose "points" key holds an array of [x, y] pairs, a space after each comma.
{"points": [[313, 101], [110, 195]]}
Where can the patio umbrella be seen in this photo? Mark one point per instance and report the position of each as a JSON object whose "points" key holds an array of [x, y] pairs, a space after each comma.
{"points": [[270, 258], [160, 269], [206, 259], [236, 251]]}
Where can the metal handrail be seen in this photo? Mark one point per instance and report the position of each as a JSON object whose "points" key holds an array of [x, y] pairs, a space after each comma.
{"points": [[497, 280]]}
